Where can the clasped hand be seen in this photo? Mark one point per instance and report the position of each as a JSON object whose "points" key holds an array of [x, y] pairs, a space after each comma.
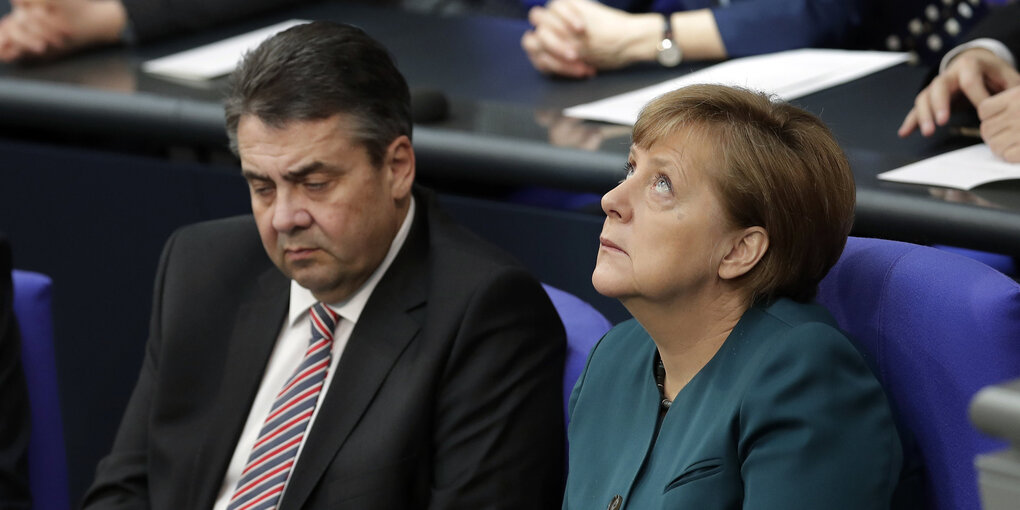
{"points": [[44, 28], [576, 38]]}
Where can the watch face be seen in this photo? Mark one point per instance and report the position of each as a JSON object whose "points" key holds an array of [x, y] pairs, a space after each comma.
{"points": [[669, 53]]}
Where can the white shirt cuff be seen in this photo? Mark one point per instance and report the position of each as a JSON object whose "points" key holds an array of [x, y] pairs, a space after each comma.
{"points": [[1000, 50]]}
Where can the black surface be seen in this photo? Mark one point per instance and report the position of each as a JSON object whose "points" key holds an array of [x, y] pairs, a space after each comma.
{"points": [[499, 129]]}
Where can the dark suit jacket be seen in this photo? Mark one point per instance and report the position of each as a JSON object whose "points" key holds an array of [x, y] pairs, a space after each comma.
{"points": [[785, 416], [14, 411], [447, 395], [1002, 24]]}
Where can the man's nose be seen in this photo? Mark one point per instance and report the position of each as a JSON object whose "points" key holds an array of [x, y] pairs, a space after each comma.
{"points": [[289, 213]]}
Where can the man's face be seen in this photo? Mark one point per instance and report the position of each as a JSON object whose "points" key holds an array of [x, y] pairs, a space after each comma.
{"points": [[325, 214]]}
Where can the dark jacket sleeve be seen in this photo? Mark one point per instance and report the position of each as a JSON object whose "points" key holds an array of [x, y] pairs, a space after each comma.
{"points": [[14, 411], [500, 433], [122, 476], [1002, 24], [753, 27]]}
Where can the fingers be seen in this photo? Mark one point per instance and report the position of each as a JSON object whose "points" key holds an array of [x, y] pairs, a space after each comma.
{"points": [[972, 82], [31, 31], [550, 64], [553, 35], [570, 13], [1004, 143], [24, 35], [1010, 78], [931, 106], [1000, 124], [997, 104], [909, 124], [934, 98], [977, 73], [554, 46]]}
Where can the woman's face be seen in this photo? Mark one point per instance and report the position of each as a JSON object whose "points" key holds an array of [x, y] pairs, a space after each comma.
{"points": [[665, 230]]}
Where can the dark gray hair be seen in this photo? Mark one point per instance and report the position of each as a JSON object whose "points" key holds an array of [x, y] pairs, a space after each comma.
{"points": [[315, 71]]}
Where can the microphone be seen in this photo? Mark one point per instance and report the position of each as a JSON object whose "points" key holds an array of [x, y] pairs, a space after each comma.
{"points": [[428, 105]]}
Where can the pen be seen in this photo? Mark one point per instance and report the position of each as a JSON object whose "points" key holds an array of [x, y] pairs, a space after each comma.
{"points": [[965, 131]]}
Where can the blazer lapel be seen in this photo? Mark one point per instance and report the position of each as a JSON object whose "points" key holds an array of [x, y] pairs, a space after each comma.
{"points": [[258, 324], [384, 330]]}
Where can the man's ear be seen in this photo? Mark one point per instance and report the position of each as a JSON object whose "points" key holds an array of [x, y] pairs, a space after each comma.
{"points": [[749, 246], [399, 162]]}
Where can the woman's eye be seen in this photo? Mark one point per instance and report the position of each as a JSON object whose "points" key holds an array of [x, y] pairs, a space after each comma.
{"points": [[628, 170], [662, 184]]}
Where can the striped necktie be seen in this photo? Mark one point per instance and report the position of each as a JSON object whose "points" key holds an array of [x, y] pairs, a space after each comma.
{"points": [[275, 451]]}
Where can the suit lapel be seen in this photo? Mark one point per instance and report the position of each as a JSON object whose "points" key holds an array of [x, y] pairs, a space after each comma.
{"points": [[383, 331], [259, 319]]}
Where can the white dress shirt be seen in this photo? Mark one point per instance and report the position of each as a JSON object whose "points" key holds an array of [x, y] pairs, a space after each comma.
{"points": [[289, 351], [1000, 50]]}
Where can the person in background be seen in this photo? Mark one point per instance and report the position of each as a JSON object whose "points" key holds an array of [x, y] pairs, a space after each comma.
{"points": [[983, 71], [347, 345], [47, 28], [577, 38], [730, 388], [14, 411]]}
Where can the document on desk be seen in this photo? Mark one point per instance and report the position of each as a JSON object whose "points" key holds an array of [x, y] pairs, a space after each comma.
{"points": [[215, 59], [788, 74], [965, 168]]}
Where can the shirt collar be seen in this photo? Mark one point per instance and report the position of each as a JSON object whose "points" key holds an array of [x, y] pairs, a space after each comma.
{"points": [[301, 299]]}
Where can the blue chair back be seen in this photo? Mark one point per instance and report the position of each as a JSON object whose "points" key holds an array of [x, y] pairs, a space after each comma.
{"points": [[1002, 263], [936, 327], [47, 461], [585, 326]]}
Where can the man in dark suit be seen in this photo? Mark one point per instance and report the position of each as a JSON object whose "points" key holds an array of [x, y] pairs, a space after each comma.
{"points": [[419, 367], [14, 412], [984, 70]]}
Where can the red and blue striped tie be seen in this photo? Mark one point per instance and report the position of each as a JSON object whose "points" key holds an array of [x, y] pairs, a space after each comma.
{"points": [[275, 452]]}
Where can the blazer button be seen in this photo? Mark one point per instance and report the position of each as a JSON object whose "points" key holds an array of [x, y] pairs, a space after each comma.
{"points": [[614, 504]]}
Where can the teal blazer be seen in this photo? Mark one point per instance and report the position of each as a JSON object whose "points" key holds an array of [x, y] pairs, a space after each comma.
{"points": [[786, 415]]}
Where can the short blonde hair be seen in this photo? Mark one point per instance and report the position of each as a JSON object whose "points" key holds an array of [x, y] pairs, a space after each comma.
{"points": [[779, 168]]}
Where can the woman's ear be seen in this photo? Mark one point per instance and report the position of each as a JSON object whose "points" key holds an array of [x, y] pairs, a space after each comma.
{"points": [[749, 247]]}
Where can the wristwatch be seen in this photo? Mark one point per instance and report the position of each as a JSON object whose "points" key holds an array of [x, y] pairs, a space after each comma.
{"points": [[669, 54]]}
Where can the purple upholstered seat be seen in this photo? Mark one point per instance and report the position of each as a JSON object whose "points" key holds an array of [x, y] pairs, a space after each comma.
{"points": [[1002, 263], [585, 326], [47, 462], [936, 327]]}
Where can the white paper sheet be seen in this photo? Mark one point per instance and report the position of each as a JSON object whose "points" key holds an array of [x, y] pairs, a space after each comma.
{"points": [[788, 74], [216, 59], [965, 168]]}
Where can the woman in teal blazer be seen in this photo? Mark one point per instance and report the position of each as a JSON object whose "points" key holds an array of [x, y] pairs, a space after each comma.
{"points": [[729, 389]]}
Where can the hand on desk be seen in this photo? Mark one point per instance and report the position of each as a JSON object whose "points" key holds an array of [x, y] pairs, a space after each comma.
{"points": [[45, 28], [980, 76], [577, 37], [1000, 123]]}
